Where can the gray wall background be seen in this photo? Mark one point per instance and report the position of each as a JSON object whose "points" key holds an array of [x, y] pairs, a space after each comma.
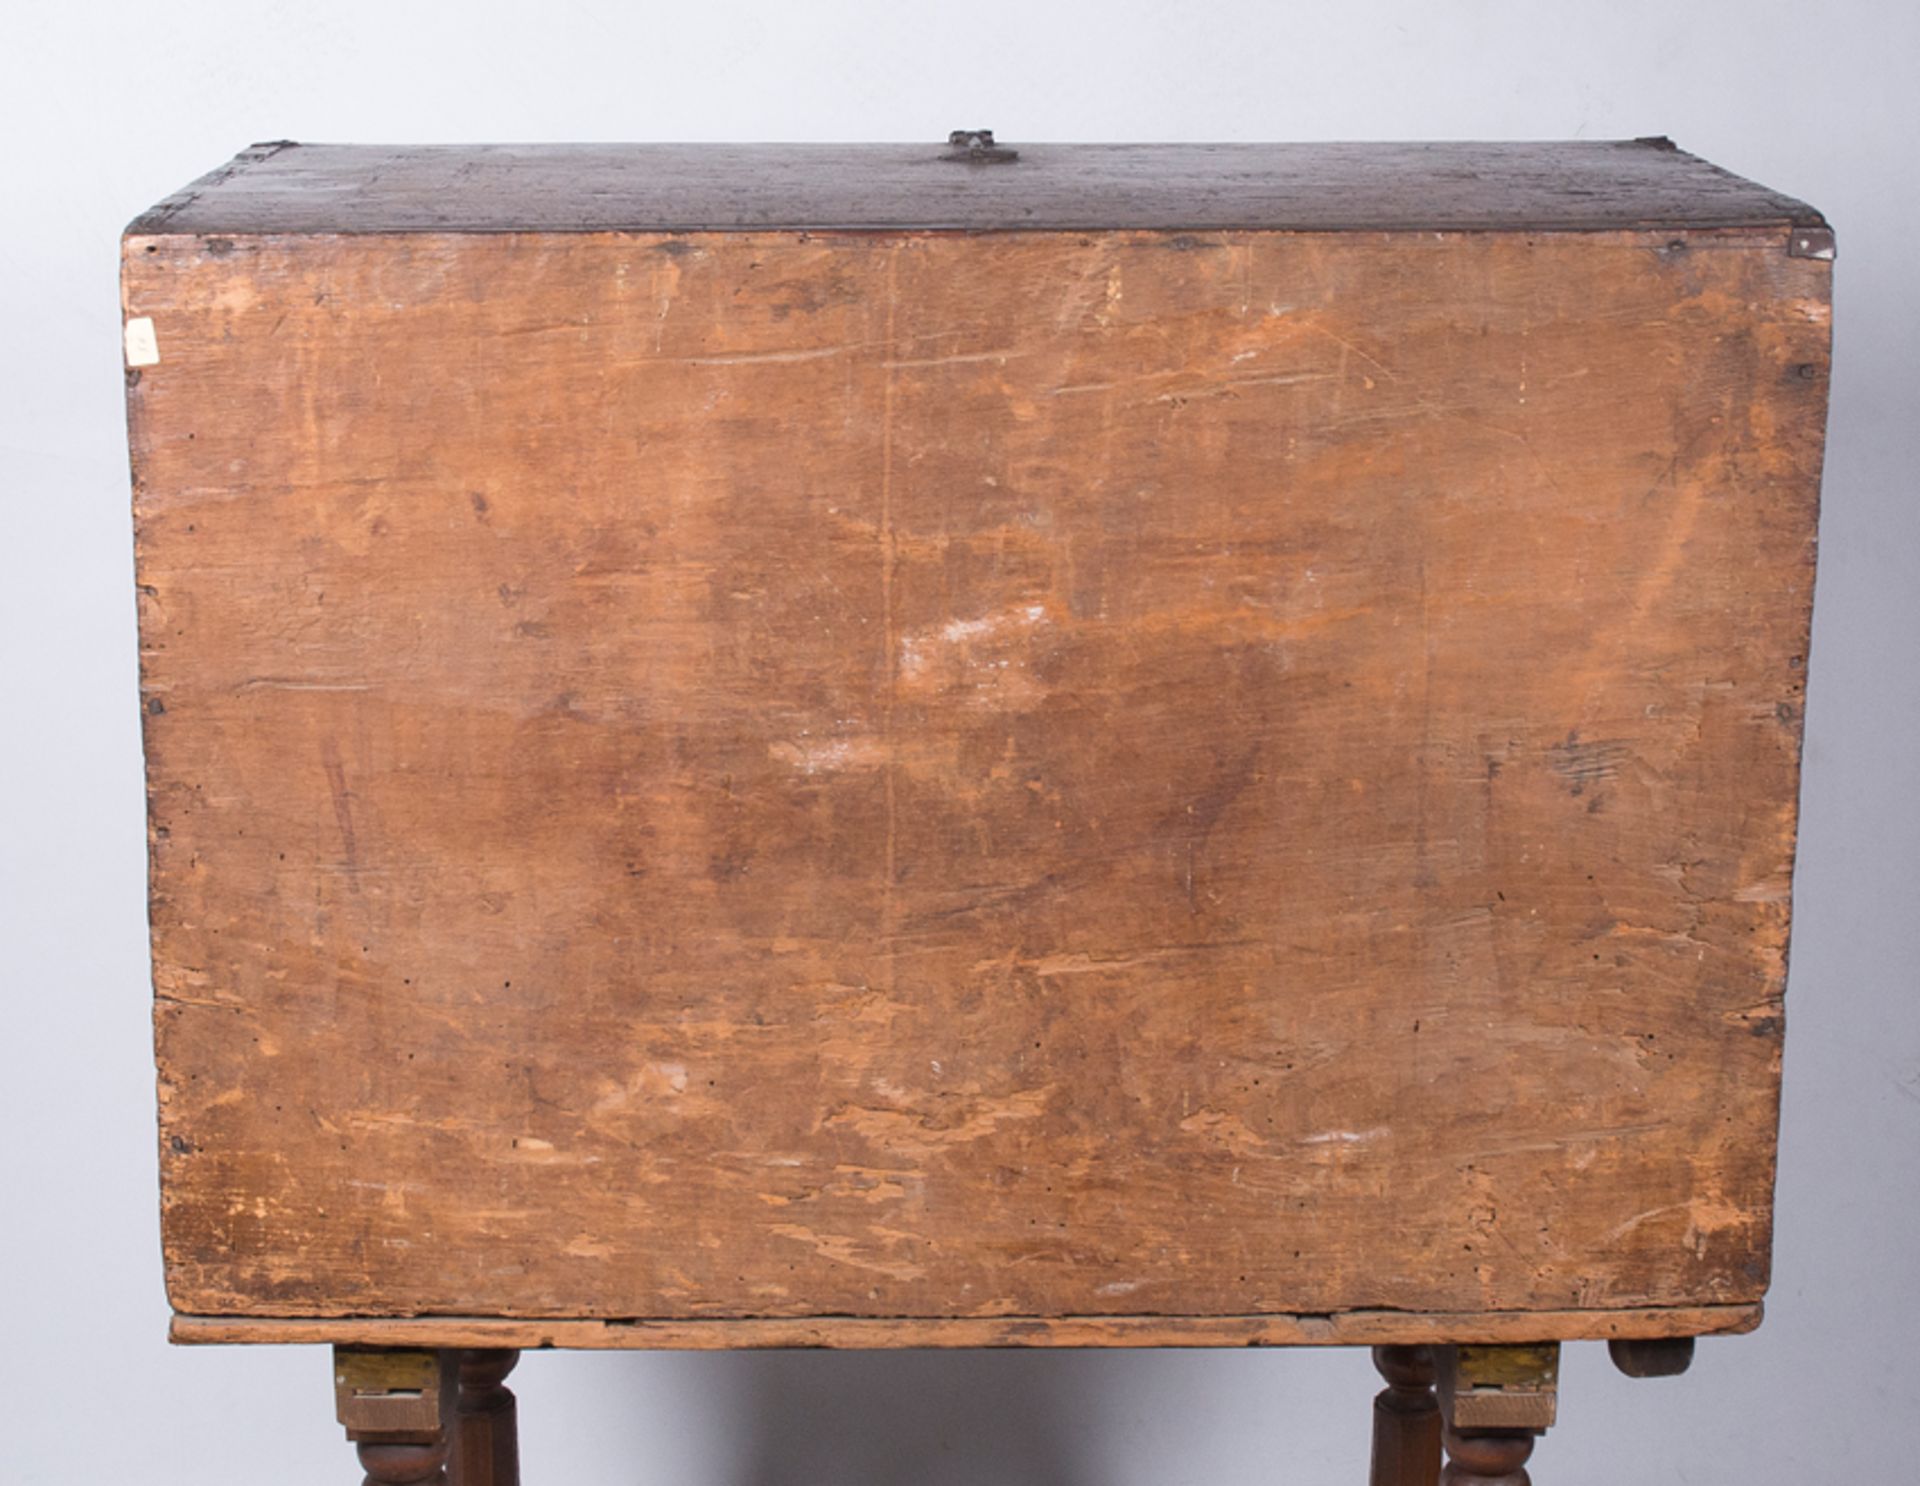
{"points": [[106, 107]]}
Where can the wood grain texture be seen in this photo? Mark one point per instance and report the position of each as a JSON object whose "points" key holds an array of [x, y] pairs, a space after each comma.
{"points": [[1338, 1329], [1031, 775], [1555, 186]]}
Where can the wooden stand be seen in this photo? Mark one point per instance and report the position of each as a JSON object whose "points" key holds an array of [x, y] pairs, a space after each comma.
{"points": [[1406, 1419], [403, 1462], [486, 1433], [435, 1417], [445, 1417], [1495, 1402], [1489, 1457]]}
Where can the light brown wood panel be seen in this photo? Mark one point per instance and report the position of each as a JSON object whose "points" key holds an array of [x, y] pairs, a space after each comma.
{"points": [[775, 775]]}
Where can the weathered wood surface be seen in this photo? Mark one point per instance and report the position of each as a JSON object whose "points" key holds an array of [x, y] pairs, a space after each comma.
{"points": [[920, 776], [1557, 186], [1337, 1329]]}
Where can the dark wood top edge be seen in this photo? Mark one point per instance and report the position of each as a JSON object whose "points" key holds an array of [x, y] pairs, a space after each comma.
{"points": [[259, 192], [1781, 224], [1343, 1328], [154, 220]]}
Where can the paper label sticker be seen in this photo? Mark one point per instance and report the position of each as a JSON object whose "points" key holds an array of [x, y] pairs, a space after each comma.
{"points": [[143, 348]]}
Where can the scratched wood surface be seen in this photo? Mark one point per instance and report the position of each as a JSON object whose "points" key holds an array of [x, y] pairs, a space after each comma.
{"points": [[1559, 185], [914, 775]]}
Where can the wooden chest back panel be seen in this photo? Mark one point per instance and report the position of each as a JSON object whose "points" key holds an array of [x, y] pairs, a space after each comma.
{"points": [[920, 775]]}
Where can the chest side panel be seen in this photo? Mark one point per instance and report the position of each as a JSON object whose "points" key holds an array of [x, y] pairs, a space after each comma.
{"points": [[762, 774]]}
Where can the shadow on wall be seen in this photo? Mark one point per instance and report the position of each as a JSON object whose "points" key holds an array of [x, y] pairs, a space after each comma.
{"points": [[913, 1418], [1115, 1417]]}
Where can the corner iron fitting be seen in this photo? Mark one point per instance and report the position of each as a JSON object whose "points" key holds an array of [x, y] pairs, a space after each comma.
{"points": [[1811, 242]]}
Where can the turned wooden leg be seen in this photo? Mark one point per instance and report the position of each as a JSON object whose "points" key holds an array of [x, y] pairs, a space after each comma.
{"points": [[1495, 1401], [388, 1464], [1490, 1458], [486, 1450], [1406, 1419], [396, 1406]]}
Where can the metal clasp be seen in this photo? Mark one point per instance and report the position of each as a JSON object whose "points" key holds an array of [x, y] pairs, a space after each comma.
{"points": [[976, 147]]}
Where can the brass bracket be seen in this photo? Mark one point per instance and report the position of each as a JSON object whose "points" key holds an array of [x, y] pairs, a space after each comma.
{"points": [[1499, 1387], [386, 1393]]}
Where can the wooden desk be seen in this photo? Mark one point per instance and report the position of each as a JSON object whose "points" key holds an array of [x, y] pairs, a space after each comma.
{"points": [[908, 746]]}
